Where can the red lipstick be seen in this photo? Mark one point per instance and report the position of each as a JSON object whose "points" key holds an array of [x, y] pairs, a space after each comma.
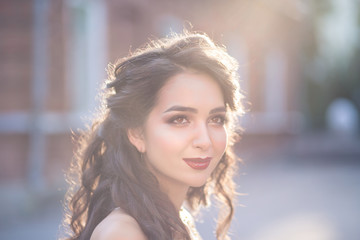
{"points": [[198, 163]]}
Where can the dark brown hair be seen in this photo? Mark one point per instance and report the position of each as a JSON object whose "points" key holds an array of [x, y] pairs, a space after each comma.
{"points": [[108, 171]]}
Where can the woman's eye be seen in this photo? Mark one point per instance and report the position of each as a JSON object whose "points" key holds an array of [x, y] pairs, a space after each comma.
{"points": [[179, 120], [218, 120]]}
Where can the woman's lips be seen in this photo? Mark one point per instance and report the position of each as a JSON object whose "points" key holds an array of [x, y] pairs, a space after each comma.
{"points": [[198, 163]]}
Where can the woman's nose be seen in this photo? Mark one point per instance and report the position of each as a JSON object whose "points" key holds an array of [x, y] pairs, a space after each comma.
{"points": [[202, 138]]}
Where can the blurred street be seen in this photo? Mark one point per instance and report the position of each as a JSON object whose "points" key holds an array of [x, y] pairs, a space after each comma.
{"points": [[306, 187]]}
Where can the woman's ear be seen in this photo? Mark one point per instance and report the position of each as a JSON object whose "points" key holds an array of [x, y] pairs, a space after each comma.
{"points": [[136, 137]]}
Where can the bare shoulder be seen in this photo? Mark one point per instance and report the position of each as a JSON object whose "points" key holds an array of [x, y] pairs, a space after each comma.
{"points": [[118, 226]]}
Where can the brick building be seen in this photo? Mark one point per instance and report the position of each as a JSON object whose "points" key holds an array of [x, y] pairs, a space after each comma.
{"points": [[53, 56]]}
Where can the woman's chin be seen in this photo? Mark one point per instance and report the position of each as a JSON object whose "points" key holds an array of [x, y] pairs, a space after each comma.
{"points": [[198, 183]]}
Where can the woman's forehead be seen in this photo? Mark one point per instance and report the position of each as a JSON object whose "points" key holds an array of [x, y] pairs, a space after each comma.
{"points": [[191, 89]]}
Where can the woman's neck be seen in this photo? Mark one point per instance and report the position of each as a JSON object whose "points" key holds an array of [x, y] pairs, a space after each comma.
{"points": [[177, 197], [176, 192]]}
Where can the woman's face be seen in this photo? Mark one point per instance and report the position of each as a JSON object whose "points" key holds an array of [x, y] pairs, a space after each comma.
{"points": [[184, 136]]}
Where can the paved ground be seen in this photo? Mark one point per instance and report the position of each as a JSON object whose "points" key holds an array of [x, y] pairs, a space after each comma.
{"points": [[297, 202], [305, 188]]}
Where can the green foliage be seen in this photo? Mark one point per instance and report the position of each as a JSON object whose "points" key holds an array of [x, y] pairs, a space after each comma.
{"points": [[341, 80]]}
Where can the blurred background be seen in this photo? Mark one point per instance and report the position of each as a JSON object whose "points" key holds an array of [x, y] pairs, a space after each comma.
{"points": [[300, 73]]}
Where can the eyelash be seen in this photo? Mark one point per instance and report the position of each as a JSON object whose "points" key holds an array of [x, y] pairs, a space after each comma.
{"points": [[223, 119], [173, 120]]}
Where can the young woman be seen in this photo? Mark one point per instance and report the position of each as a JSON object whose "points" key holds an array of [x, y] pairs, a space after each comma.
{"points": [[162, 144]]}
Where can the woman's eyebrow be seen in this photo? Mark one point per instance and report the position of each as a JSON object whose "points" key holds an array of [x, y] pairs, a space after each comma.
{"points": [[217, 110], [181, 109], [193, 110]]}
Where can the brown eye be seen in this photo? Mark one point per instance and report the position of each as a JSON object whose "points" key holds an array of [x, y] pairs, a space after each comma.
{"points": [[218, 120], [179, 120]]}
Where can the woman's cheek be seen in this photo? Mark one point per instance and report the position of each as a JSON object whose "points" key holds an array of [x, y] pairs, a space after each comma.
{"points": [[220, 140], [168, 140]]}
